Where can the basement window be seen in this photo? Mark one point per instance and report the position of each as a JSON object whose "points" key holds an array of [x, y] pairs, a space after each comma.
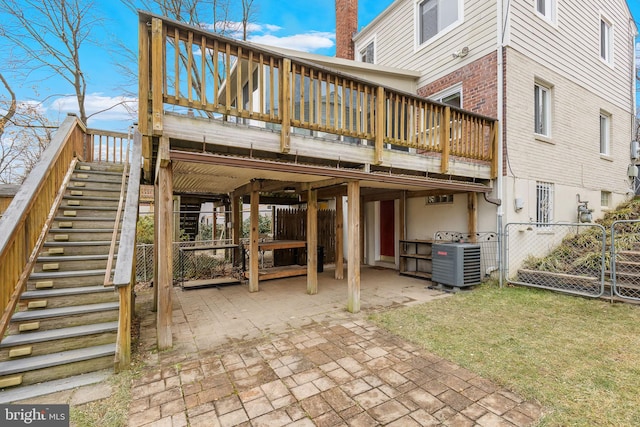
{"points": [[439, 199]]}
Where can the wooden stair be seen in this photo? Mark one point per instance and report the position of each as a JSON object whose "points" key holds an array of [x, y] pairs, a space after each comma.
{"points": [[66, 322]]}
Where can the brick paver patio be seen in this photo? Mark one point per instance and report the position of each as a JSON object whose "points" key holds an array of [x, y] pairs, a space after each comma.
{"points": [[343, 371]]}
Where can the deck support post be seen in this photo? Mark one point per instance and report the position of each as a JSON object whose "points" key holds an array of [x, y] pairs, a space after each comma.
{"points": [[312, 241], [353, 264], [164, 243], [472, 211], [253, 239], [339, 273], [236, 225], [402, 227]]}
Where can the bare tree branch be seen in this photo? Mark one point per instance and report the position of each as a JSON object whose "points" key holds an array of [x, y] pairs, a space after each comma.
{"points": [[49, 35]]}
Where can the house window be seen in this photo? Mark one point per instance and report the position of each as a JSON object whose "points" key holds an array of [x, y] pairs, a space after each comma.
{"points": [[544, 203], [366, 55], [546, 8], [605, 199], [437, 16], [439, 199], [542, 108], [451, 96], [605, 133], [606, 41]]}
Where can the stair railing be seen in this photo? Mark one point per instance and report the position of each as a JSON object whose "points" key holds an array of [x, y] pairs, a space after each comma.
{"points": [[24, 225], [114, 237], [124, 276]]}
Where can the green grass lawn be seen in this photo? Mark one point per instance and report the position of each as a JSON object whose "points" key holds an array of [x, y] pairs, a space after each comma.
{"points": [[580, 358]]}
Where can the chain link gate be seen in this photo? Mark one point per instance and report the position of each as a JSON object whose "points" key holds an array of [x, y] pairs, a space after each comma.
{"points": [[625, 259], [568, 258]]}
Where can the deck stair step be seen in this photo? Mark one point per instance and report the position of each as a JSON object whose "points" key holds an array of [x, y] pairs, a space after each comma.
{"points": [[63, 258], [58, 334], [47, 313], [48, 387], [45, 365], [56, 297], [51, 293], [66, 274], [54, 249]]}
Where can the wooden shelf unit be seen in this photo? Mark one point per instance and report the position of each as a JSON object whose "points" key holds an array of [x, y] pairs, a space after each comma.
{"points": [[415, 258], [276, 272]]}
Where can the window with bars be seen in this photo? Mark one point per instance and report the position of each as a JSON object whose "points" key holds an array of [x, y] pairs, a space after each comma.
{"points": [[544, 203]]}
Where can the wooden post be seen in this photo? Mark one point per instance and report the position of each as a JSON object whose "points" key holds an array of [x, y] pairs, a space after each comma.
{"points": [[353, 264], [164, 260], [144, 63], [402, 228], [312, 242], [157, 78], [253, 239], [361, 229], [123, 349], [380, 120], [445, 135], [495, 167], [156, 238], [339, 273], [472, 209], [236, 224], [285, 106]]}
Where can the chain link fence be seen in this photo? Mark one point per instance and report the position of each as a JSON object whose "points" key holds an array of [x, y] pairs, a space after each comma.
{"points": [[625, 259], [563, 257], [488, 241]]}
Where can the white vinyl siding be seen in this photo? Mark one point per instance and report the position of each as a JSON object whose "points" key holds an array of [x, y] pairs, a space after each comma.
{"points": [[397, 43], [572, 47], [605, 133], [542, 110]]}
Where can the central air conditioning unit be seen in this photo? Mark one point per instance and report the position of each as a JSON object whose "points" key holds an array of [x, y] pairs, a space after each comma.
{"points": [[456, 264]]}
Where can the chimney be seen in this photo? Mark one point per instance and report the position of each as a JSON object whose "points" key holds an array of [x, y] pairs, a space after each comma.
{"points": [[346, 27]]}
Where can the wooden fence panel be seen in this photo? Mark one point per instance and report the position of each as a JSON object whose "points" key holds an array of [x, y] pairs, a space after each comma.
{"points": [[291, 224]]}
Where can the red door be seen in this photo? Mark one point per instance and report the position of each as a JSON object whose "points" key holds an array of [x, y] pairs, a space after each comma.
{"points": [[387, 229]]}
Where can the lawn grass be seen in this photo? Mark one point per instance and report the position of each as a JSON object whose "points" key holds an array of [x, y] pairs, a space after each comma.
{"points": [[580, 358]]}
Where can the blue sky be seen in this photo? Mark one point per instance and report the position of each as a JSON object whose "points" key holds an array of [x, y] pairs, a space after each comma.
{"points": [[308, 26]]}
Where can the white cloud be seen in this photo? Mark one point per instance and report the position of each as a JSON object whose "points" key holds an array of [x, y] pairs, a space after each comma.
{"points": [[105, 108], [308, 42], [265, 34]]}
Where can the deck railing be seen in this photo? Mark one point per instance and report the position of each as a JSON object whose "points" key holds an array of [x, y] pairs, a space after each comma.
{"points": [[107, 147], [25, 222], [189, 68]]}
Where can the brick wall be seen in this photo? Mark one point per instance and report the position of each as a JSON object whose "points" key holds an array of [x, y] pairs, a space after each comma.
{"points": [[346, 27], [479, 85]]}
